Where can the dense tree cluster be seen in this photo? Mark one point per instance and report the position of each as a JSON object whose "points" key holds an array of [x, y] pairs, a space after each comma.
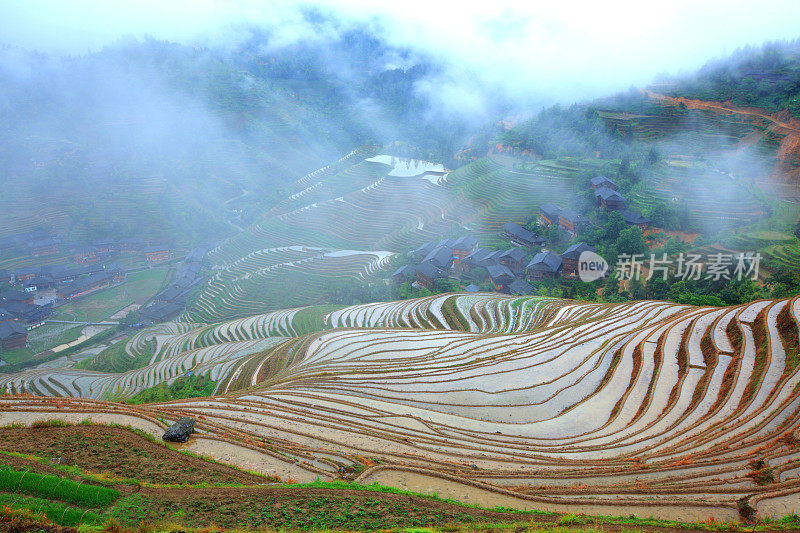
{"points": [[766, 76], [559, 131]]}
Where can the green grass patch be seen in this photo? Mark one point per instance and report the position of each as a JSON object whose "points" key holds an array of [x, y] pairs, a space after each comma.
{"points": [[138, 288], [41, 339], [194, 386], [310, 319], [56, 488], [15, 357], [57, 512], [115, 359]]}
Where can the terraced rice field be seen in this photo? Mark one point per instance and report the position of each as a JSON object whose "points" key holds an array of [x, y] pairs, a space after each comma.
{"points": [[494, 192], [377, 206], [784, 255], [170, 350], [339, 223], [646, 408], [700, 191], [270, 278]]}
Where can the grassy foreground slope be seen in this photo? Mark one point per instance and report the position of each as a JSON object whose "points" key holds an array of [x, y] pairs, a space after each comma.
{"points": [[128, 481]]}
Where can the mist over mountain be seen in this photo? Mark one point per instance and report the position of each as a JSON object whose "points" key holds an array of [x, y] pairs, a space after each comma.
{"points": [[195, 126]]}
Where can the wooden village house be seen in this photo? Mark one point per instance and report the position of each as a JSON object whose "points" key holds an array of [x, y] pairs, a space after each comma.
{"points": [[548, 214], [544, 265], [570, 264], [13, 336], [157, 254]]}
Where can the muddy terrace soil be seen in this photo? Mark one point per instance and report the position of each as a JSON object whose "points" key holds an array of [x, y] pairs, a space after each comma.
{"points": [[118, 452], [301, 508]]}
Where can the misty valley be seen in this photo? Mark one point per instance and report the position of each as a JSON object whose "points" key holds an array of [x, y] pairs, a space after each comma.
{"points": [[335, 280]]}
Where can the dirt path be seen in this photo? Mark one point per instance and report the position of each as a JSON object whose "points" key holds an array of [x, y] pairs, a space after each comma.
{"points": [[792, 126], [462, 492], [122, 313]]}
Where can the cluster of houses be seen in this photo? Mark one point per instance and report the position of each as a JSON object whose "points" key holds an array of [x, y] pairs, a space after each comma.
{"points": [[509, 271], [551, 215], [435, 260], [607, 195], [172, 300], [28, 295], [39, 243], [18, 315], [65, 282]]}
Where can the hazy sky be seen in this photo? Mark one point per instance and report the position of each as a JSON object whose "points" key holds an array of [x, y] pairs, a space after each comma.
{"points": [[560, 47]]}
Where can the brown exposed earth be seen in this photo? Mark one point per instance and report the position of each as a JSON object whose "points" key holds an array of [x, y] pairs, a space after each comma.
{"points": [[781, 123], [120, 453], [318, 508]]}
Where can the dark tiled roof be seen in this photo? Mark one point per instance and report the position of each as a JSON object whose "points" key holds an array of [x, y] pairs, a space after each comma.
{"points": [[483, 258], [424, 249], [520, 287], [575, 251], [472, 288], [10, 329], [160, 311], [37, 281], [441, 256], [430, 271], [545, 262], [572, 216], [498, 272], [513, 254], [14, 296], [493, 257], [632, 217], [406, 271], [26, 311], [476, 255], [599, 181], [550, 210], [170, 293], [83, 284], [465, 243], [519, 233], [608, 194]]}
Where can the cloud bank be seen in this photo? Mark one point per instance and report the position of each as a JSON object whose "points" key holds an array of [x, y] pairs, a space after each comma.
{"points": [[531, 52]]}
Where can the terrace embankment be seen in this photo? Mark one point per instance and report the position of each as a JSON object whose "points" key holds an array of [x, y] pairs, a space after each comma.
{"points": [[781, 124], [645, 408]]}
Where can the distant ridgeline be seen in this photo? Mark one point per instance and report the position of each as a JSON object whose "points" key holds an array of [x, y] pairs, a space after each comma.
{"points": [[208, 133], [767, 77]]}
